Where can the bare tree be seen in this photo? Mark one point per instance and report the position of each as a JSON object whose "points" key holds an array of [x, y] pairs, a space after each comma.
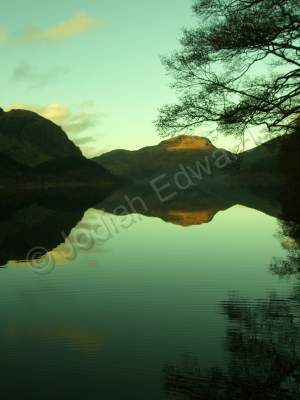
{"points": [[238, 68]]}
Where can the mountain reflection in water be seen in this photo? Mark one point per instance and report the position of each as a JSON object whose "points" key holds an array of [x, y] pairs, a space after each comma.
{"points": [[40, 221], [147, 302], [44, 220], [263, 342]]}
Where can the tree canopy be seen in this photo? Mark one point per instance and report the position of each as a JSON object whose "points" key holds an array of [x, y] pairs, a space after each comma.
{"points": [[238, 68]]}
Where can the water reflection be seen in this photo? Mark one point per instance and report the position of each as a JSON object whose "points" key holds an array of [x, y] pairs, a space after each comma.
{"points": [[37, 226], [78, 338], [34, 223], [155, 294], [289, 236], [263, 343], [189, 207]]}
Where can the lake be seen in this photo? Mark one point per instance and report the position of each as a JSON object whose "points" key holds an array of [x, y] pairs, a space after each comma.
{"points": [[148, 309]]}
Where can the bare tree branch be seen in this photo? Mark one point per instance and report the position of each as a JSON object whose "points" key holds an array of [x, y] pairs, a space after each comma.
{"points": [[238, 68]]}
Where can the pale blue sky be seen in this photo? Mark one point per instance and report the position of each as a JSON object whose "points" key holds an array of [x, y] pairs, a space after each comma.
{"points": [[92, 66]]}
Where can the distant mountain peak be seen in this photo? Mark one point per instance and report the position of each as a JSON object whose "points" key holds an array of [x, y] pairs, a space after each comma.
{"points": [[187, 142], [31, 139], [164, 158], [35, 152]]}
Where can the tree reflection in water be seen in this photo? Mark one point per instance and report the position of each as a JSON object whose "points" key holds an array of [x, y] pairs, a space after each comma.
{"points": [[289, 236], [264, 362]]}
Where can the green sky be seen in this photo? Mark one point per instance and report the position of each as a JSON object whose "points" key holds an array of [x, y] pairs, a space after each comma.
{"points": [[93, 66]]}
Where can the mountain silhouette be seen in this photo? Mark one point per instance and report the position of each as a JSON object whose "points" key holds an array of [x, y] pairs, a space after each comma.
{"points": [[35, 152], [265, 178], [187, 161], [31, 139], [184, 151]]}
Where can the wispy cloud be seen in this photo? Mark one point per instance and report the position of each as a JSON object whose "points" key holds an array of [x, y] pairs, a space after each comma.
{"points": [[85, 140], [75, 124], [34, 78], [74, 26]]}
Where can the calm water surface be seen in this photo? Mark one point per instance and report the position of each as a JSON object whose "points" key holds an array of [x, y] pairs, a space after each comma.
{"points": [[134, 312]]}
